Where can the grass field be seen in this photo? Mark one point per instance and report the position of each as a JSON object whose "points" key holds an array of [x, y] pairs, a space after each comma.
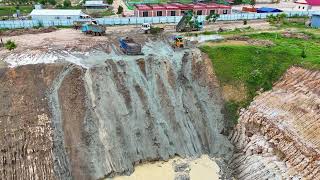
{"points": [[258, 67], [10, 10]]}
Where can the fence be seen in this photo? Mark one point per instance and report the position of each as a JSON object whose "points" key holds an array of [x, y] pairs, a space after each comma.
{"points": [[15, 24]]}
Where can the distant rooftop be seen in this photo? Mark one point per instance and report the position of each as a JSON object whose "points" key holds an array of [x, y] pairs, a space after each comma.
{"points": [[313, 2], [180, 6], [57, 12], [94, 3]]}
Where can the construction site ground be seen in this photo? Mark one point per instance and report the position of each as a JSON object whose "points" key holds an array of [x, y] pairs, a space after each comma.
{"points": [[70, 39]]}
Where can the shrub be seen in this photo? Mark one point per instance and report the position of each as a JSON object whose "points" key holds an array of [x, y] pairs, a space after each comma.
{"points": [[212, 17], [110, 1], [155, 30], [66, 3], [59, 6], [10, 45], [303, 53], [52, 2], [120, 10]]}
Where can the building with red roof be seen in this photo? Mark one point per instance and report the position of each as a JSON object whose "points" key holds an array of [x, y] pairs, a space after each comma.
{"points": [[178, 9]]}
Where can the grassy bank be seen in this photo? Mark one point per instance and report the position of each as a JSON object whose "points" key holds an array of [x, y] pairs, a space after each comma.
{"points": [[258, 67]]}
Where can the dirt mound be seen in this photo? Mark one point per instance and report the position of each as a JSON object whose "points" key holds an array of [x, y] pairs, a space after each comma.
{"points": [[289, 34], [238, 38], [17, 32], [254, 42], [260, 42]]}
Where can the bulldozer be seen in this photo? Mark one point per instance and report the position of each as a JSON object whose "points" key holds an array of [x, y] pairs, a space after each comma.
{"points": [[189, 22], [178, 42]]}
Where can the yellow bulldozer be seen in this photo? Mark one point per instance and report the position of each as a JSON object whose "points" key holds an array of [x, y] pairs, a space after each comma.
{"points": [[178, 42]]}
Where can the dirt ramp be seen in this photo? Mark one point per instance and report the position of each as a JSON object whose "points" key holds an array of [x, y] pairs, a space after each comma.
{"points": [[278, 136]]}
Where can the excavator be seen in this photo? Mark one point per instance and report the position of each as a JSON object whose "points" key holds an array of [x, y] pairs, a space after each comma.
{"points": [[189, 22]]}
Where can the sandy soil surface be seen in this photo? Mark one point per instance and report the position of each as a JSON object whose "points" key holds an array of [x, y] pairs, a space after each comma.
{"points": [[202, 168], [70, 40]]}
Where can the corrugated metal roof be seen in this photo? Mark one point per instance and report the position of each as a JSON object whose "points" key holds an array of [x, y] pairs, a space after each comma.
{"points": [[143, 7], [56, 12], [94, 2]]}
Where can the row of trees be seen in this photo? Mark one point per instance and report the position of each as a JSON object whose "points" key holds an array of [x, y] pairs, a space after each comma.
{"points": [[66, 3], [237, 2]]}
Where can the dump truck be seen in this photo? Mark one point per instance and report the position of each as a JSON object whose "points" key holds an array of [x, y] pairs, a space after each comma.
{"points": [[78, 24], [189, 22], [149, 28], [129, 46], [93, 28]]}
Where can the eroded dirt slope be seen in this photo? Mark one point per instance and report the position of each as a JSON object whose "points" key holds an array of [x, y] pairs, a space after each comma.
{"points": [[25, 122], [278, 136], [71, 122]]}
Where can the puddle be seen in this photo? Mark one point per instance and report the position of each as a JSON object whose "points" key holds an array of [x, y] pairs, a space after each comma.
{"points": [[229, 42], [203, 38]]}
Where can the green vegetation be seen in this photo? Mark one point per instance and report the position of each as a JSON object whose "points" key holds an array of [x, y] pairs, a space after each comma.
{"points": [[10, 45], [258, 67], [278, 19], [66, 3], [212, 17], [120, 10], [52, 2], [10, 10], [99, 14], [250, 2]]}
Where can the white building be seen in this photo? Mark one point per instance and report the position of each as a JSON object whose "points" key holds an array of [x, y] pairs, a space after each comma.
{"points": [[95, 5], [54, 14]]}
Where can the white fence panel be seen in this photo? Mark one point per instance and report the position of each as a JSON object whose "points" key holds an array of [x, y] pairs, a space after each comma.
{"points": [[13, 24]]}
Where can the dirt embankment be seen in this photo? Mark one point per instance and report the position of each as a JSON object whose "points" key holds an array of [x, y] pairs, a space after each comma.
{"points": [[17, 32], [103, 119], [278, 136], [25, 122]]}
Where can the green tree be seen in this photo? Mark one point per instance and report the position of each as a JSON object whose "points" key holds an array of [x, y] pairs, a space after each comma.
{"points": [[43, 2], [249, 2], [212, 17], [66, 3], [52, 2], [222, 2], [110, 1], [237, 2], [120, 10]]}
